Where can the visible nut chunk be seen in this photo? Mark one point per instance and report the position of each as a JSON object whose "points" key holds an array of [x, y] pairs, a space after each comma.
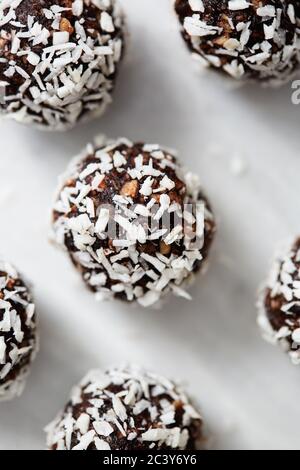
{"points": [[276, 304], [71, 183], [164, 248], [10, 283], [65, 25], [220, 41], [130, 189], [225, 24], [257, 3], [178, 405], [2, 43]]}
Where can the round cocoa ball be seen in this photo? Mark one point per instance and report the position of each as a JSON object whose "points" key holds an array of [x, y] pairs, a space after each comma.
{"points": [[18, 332], [245, 39], [126, 408], [279, 305], [58, 60], [135, 225]]}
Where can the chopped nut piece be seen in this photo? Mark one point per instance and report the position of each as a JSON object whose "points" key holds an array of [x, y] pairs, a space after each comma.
{"points": [[70, 183], [220, 41], [130, 189], [275, 304], [164, 248], [178, 405], [65, 25], [10, 283]]}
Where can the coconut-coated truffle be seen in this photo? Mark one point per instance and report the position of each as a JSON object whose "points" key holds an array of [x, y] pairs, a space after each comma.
{"points": [[297, 8], [18, 332], [133, 222], [126, 408], [58, 60], [279, 304], [246, 39]]}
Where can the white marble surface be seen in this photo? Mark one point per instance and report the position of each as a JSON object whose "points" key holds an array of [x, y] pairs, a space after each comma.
{"points": [[248, 391]]}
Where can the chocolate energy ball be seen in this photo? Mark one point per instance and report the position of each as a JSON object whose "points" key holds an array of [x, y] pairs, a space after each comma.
{"points": [[58, 59], [134, 224], [18, 332], [246, 39], [279, 305], [126, 408]]}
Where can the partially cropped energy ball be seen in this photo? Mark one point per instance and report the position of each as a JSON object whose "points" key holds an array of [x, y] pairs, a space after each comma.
{"points": [[279, 315], [246, 39], [126, 409], [18, 332], [297, 7], [134, 224], [58, 59]]}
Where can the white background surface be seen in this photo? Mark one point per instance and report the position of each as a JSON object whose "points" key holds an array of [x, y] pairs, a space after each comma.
{"points": [[248, 390]]}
